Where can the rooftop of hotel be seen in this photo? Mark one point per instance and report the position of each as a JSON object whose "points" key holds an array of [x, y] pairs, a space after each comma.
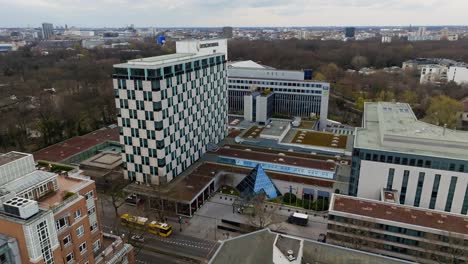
{"points": [[11, 156], [455, 223], [394, 127], [163, 60]]}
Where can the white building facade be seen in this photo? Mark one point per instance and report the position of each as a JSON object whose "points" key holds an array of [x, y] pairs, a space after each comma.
{"points": [[202, 47], [458, 74], [426, 164], [169, 108], [293, 93], [421, 187]]}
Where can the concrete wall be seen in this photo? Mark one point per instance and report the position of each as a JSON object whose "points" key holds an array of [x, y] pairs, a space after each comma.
{"points": [[458, 74], [373, 177], [248, 105]]}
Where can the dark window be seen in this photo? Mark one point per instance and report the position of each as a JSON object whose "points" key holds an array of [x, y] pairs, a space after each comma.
{"points": [[451, 192], [404, 186], [419, 188], [435, 190]]}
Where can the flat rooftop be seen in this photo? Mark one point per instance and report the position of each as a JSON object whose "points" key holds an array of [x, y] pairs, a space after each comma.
{"points": [[287, 153], [70, 147], [455, 223], [321, 139], [394, 127], [258, 247], [163, 60], [11, 156], [276, 159], [104, 160], [275, 128]]}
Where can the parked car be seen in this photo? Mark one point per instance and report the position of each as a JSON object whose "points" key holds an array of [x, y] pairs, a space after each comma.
{"points": [[132, 199], [298, 219], [138, 238], [322, 238]]}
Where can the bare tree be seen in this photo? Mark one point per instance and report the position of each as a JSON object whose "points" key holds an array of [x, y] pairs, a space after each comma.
{"points": [[448, 250], [115, 194], [262, 215]]}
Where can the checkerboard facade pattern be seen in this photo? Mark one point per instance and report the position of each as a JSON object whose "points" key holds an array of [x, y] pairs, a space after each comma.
{"points": [[168, 115]]}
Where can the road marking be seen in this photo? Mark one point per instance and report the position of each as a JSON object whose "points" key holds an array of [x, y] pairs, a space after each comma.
{"points": [[205, 245]]}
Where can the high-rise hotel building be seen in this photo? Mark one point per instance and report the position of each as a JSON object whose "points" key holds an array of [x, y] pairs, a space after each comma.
{"points": [[169, 109]]}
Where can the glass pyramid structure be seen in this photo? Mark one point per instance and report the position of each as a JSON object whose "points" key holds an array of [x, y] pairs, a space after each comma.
{"points": [[257, 181]]}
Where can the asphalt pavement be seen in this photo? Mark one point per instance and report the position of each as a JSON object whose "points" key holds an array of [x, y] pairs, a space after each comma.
{"points": [[178, 248]]}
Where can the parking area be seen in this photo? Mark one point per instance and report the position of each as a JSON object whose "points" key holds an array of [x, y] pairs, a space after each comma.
{"points": [[205, 221]]}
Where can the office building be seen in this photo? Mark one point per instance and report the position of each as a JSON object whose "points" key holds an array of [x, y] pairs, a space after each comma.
{"points": [[291, 92], [47, 30], [258, 107], [350, 32], [51, 218], [227, 32], [425, 163], [169, 109], [203, 47], [399, 231]]}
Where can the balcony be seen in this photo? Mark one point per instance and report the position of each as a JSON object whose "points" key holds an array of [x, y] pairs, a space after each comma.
{"points": [[113, 250]]}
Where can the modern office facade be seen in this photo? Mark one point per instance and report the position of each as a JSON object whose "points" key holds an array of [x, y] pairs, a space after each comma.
{"points": [[258, 107], [293, 94], [169, 109], [350, 32], [391, 229], [426, 164], [49, 217], [47, 30]]}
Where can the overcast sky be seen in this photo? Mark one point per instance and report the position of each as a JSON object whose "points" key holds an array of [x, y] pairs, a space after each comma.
{"points": [[217, 13]]}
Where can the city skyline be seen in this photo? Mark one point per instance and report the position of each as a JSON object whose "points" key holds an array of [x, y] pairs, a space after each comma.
{"points": [[196, 13]]}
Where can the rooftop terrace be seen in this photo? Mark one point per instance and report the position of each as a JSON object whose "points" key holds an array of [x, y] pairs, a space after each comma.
{"points": [[394, 127], [438, 220], [67, 189]]}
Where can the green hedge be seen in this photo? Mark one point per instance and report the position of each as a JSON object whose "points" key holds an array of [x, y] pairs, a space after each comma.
{"points": [[289, 198], [55, 167]]}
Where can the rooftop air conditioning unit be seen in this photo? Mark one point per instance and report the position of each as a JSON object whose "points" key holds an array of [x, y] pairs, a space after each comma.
{"points": [[21, 207]]}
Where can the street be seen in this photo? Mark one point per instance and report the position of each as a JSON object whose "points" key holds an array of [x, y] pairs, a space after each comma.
{"points": [[179, 248]]}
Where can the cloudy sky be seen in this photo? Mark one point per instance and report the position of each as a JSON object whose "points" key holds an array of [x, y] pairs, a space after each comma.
{"points": [[198, 13]]}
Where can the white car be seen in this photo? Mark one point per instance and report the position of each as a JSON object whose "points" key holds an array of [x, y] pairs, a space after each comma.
{"points": [[138, 238]]}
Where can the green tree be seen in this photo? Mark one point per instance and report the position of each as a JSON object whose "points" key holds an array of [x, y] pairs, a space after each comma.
{"points": [[320, 77], [385, 96], [359, 103], [444, 110], [409, 97]]}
